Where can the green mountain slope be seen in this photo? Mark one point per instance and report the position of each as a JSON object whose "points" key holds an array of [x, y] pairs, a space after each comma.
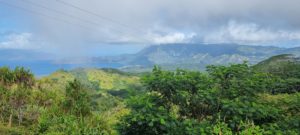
{"points": [[285, 65], [286, 68], [99, 79]]}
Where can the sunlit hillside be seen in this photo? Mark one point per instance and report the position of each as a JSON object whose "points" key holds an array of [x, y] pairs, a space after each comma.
{"points": [[99, 79]]}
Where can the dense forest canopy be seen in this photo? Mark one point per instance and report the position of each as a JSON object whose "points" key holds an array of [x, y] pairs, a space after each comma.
{"points": [[223, 100]]}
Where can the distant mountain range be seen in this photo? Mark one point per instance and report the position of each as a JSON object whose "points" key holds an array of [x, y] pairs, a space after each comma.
{"points": [[168, 56], [194, 56]]}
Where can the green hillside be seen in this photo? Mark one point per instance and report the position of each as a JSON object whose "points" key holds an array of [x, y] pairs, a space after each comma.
{"points": [[285, 65], [236, 99], [99, 79], [51, 91]]}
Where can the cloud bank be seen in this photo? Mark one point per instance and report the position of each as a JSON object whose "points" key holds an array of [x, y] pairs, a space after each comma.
{"points": [[17, 41], [252, 22], [172, 38], [250, 33]]}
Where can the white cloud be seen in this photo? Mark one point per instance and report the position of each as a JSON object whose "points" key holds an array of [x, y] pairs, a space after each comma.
{"points": [[17, 41], [176, 37], [249, 33], [167, 20]]}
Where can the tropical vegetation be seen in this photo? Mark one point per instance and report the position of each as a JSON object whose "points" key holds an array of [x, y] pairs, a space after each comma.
{"points": [[223, 100]]}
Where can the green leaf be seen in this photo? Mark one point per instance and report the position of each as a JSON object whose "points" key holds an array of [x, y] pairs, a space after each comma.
{"points": [[162, 121]]}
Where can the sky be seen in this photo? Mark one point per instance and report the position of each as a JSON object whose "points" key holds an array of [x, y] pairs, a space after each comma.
{"points": [[74, 28]]}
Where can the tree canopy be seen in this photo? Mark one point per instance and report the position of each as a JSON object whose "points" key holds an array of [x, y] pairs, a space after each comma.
{"points": [[224, 100]]}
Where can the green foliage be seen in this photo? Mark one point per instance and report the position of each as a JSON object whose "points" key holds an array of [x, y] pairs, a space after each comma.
{"points": [[182, 88], [232, 91], [285, 66], [228, 93], [93, 79], [23, 77], [286, 70], [225, 100], [74, 116], [15, 91], [289, 106], [146, 117], [103, 103], [55, 122], [6, 76], [4, 130], [289, 85], [19, 76], [47, 107], [221, 128], [77, 102]]}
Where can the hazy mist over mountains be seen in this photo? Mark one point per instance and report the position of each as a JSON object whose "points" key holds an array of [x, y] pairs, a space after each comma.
{"points": [[195, 56], [168, 56], [137, 34]]}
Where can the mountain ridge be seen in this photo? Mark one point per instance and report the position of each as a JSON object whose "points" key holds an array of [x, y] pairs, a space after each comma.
{"points": [[195, 56]]}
